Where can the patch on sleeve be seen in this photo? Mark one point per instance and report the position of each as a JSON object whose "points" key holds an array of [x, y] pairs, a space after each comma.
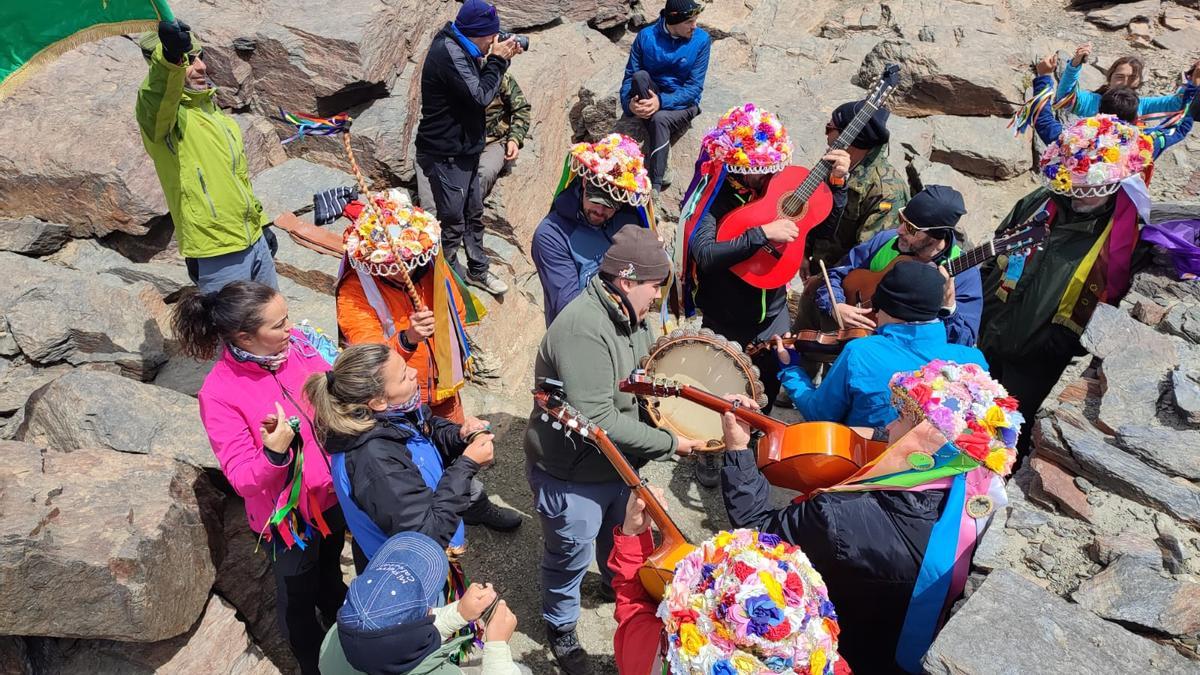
{"points": [[884, 207]]}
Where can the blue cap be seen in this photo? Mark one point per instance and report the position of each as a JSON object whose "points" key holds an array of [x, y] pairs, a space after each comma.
{"points": [[477, 18], [403, 581]]}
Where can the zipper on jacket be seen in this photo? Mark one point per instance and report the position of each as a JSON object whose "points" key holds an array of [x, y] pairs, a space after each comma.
{"points": [[204, 188], [238, 183]]}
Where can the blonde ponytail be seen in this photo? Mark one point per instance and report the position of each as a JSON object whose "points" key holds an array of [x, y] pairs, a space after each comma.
{"points": [[339, 398]]}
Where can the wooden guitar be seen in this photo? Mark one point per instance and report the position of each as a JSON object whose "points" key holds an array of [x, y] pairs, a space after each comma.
{"points": [[659, 568], [802, 457], [800, 195]]}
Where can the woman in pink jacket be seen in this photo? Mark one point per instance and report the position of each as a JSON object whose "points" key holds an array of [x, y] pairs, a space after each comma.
{"points": [[261, 431]]}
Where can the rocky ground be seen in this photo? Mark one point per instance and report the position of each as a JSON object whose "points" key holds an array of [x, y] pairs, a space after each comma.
{"points": [[122, 550]]}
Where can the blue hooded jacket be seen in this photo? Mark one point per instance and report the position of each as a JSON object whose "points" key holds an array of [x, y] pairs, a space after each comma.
{"points": [[676, 65]]}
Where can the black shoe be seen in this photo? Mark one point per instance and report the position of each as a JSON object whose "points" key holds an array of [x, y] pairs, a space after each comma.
{"points": [[493, 517], [569, 654], [606, 593], [708, 469]]}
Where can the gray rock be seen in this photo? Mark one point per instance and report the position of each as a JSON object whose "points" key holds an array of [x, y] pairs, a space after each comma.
{"points": [[30, 236], [58, 314], [1168, 450], [989, 551], [1132, 378], [307, 267], [1084, 485], [1026, 520], [1171, 540], [112, 545], [1130, 593], [289, 187], [89, 409], [1106, 548], [978, 146], [305, 304], [521, 14], [1185, 389], [1032, 629], [88, 255], [1184, 320], [183, 374], [1121, 15], [19, 379], [1184, 39]]}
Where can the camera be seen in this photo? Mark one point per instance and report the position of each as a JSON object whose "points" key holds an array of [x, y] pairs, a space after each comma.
{"points": [[522, 40]]}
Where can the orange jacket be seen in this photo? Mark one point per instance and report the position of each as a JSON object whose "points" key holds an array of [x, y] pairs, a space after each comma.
{"points": [[359, 323]]}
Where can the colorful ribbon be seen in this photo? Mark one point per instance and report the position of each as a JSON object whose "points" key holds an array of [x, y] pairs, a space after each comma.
{"points": [[311, 125]]}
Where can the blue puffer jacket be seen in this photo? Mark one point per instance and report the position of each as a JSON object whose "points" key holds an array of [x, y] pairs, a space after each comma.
{"points": [[676, 65]]}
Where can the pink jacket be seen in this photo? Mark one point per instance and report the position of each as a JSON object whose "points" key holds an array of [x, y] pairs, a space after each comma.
{"points": [[235, 398]]}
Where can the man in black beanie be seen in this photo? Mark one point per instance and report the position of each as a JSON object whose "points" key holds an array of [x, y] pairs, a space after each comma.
{"points": [[928, 232], [866, 201], [908, 334], [664, 79]]}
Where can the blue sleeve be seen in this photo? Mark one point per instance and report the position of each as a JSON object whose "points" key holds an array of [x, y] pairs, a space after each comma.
{"points": [[689, 94], [1067, 82], [556, 270], [1087, 103], [1047, 126], [1165, 139], [859, 257], [633, 65], [1157, 104], [962, 327], [829, 402]]}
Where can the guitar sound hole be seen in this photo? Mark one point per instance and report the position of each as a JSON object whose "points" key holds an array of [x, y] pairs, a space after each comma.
{"points": [[792, 208]]}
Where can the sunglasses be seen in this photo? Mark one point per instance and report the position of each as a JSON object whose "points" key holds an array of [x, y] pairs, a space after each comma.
{"points": [[908, 227], [192, 57]]}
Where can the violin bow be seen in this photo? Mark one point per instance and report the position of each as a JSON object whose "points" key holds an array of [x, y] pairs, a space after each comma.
{"points": [[832, 298]]}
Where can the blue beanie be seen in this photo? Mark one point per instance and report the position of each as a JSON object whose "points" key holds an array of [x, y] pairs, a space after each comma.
{"points": [[477, 18]]}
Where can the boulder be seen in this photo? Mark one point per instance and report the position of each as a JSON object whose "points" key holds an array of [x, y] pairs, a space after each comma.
{"points": [[289, 187], [1183, 320], [59, 314], [516, 15], [1171, 451], [30, 236], [1131, 378], [260, 136], [1132, 594], [1118, 16], [1185, 390], [89, 255], [1031, 630], [90, 409], [1107, 548], [218, 643], [979, 146], [19, 379], [305, 304], [80, 164], [183, 374], [99, 544], [1179, 41]]}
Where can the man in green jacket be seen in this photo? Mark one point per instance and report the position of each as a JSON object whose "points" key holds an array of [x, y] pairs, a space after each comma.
{"points": [[598, 340], [201, 162]]}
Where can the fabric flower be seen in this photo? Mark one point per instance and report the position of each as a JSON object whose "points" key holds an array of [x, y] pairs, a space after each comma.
{"points": [[690, 639]]}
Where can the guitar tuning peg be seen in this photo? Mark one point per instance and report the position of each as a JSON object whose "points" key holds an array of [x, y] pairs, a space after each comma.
{"points": [[573, 424], [556, 425], [545, 417]]}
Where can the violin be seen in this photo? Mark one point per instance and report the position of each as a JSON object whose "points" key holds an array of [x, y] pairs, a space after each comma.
{"points": [[803, 457], [659, 569], [830, 342]]}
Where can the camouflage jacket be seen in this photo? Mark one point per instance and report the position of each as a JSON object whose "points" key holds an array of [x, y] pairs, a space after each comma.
{"points": [[508, 114], [874, 194]]}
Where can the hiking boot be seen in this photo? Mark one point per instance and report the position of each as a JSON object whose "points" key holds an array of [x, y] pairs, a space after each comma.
{"points": [[667, 179], [488, 282], [708, 469], [493, 517], [569, 654]]}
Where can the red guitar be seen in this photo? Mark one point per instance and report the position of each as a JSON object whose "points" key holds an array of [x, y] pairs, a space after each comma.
{"points": [[800, 195]]}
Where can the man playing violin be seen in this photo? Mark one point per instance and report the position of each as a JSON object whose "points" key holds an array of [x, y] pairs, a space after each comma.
{"points": [[928, 233], [908, 333]]}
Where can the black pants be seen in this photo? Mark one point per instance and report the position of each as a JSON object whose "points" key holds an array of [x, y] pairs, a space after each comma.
{"points": [[659, 128], [454, 182], [306, 581], [1030, 381]]}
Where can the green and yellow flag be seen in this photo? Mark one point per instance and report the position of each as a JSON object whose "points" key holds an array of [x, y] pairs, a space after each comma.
{"points": [[32, 32]]}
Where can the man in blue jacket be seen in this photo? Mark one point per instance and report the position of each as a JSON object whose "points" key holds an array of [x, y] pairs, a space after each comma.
{"points": [[928, 233], [664, 79]]}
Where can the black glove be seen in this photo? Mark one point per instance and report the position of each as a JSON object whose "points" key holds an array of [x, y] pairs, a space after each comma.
{"points": [[176, 38]]}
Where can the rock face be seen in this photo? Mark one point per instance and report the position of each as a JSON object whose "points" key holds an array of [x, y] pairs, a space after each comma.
{"points": [[979, 146], [90, 409], [1036, 630], [933, 83], [30, 236], [1131, 593], [115, 537], [290, 186], [519, 15]]}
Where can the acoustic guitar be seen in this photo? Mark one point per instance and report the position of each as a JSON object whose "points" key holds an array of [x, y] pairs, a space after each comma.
{"points": [[799, 195], [802, 457], [659, 569]]}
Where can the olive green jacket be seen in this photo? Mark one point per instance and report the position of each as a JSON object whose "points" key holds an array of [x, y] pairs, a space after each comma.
{"points": [[875, 193]]}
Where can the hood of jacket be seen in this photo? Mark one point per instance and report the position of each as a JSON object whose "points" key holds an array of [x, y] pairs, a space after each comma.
{"points": [[383, 429]]}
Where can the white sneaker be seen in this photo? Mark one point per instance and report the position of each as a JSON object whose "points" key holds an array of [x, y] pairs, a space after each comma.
{"points": [[490, 283]]}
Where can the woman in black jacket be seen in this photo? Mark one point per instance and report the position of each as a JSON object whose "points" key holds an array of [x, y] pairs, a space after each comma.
{"points": [[396, 467]]}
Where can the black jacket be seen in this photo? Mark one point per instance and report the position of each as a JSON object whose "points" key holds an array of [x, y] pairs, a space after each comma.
{"points": [[455, 91], [388, 487], [732, 307], [868, 546]]}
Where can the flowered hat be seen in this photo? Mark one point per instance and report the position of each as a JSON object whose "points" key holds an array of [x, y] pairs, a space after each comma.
{"points": [[613, 164], [1093, 155], [749, 139], [391, 234], [745, 602], [973, 411]]}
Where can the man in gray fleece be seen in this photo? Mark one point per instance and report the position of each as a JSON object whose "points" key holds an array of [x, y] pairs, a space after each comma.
{"points": [[598, 340]]}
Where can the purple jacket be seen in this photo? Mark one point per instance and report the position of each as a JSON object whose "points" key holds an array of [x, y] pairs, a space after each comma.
{"points": [[235, 398]]}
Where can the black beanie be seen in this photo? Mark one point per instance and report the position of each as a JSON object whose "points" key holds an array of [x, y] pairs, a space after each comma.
{"points": [[874, 133], [911, 291], [678, 11]]}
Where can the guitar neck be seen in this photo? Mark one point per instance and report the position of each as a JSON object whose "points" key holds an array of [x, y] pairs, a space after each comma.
{"points": [[820, 172], [716, 403], [654, 508], [973, 257]]}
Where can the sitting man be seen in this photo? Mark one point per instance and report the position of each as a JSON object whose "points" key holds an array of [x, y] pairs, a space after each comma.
{"points": [[204, 176], [854, 391], [1036, 306], [571, 240], [373, 306], [928, 233], [865, 202], [597, 341], [893, 542], [507, 125], [664, 79]]}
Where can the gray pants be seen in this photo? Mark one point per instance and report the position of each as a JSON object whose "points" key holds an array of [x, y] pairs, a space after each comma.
{"points": [[251, 264], [577, 527], [491, 165], [454, 183]]}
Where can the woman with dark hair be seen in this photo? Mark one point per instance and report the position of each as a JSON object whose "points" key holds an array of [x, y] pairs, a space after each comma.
{"points": [[1124, 72], [261, 431]]}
